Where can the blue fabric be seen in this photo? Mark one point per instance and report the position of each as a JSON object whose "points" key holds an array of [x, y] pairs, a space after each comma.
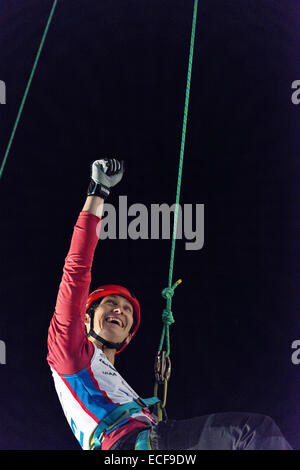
{"points": [[92, 398], [143, 441]]}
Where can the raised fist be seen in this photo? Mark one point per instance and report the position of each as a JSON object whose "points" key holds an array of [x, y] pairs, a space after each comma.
{"points": [[105, 174]]}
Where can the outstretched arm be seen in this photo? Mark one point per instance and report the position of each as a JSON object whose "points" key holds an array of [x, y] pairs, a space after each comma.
{"points": [[69, 349]]}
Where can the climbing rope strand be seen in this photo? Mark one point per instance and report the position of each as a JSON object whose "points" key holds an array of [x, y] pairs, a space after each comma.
{"points": [[169, 291], [27, 88], [185, 117]]}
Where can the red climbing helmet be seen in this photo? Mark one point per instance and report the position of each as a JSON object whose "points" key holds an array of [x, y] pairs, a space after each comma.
{"points": [[109, 289]]}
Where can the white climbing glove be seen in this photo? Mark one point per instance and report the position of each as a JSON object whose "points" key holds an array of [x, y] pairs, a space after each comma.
{"points": [[105, 174]]}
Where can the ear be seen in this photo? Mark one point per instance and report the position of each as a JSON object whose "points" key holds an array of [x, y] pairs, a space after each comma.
{"points": [[87, 322]]}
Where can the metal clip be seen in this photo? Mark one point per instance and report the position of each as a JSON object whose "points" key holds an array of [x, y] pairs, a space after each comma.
{"points": [[162, 367]]}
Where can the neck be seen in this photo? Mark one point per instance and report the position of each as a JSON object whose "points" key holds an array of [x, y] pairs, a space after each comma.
{"points": [[109, 353]]}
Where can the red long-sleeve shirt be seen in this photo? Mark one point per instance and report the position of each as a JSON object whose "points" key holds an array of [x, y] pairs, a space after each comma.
{"points": [[88, 386]]}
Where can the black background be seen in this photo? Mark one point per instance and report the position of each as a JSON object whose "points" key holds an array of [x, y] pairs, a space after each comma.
{"points": [[111, 82]]}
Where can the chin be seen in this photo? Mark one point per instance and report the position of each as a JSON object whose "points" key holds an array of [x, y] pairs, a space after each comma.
{"points": [[111, 337]]}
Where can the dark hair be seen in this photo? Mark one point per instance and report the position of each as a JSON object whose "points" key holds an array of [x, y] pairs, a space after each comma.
{"points": [[94, 305]]}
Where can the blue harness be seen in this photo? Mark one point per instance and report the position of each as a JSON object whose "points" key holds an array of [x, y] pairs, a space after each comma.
{"points": [[120, 415], [143, 441]]}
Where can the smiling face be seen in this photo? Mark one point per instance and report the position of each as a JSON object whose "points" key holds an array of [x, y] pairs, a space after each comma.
{"points": [[113, 319]]}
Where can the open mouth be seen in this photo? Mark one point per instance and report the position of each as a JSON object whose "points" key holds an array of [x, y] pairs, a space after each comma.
{"points": [[115, 321]]}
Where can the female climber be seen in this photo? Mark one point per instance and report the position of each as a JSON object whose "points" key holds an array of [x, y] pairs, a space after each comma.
{"points": [[88, 330]]}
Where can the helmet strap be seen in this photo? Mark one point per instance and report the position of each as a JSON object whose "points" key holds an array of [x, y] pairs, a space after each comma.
{"points": [[108, 344]]}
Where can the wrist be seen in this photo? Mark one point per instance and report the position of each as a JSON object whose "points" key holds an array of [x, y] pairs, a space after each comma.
{"points": [[94, 205], [96, 189]]}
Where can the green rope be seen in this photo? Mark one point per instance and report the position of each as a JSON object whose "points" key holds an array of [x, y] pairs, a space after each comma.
{"points": [[27, 88], [167, 316], [168, 292]]}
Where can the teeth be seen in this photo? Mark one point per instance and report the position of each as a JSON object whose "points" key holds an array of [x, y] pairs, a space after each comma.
{"points": [[114, 319]]}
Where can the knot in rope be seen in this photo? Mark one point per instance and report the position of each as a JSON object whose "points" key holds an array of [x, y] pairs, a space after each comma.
{"points": [[167, 317], [168, 293]]}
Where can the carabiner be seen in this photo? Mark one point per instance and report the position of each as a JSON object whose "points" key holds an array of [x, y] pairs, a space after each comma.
{"points": [[162, 367]]}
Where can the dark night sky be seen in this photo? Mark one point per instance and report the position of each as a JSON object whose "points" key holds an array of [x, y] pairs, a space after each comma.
{"points": [[111, 82]]}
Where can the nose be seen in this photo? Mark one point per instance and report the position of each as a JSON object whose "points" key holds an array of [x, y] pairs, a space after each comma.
{"points": [[117, 310]]}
